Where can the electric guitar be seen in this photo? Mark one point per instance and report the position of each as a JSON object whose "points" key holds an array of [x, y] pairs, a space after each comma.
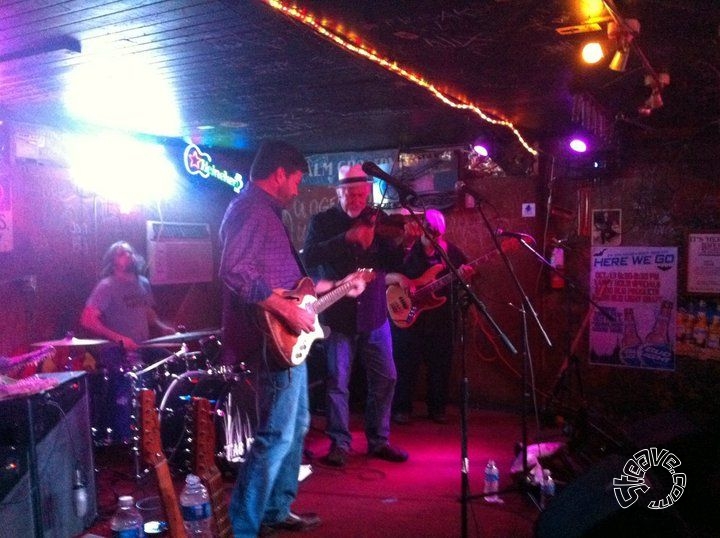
{"points": [[404, 308], [153, 455], [205, 467], [292, 349]]}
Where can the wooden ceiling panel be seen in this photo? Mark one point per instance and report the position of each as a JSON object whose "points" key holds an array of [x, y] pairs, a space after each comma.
{"points": [[246, 70]]}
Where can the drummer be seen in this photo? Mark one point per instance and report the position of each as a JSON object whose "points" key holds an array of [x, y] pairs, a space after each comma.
{"points": [[120, 309]]}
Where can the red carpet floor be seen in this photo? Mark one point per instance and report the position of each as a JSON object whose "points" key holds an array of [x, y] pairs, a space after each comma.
{"points": [[374, 498]]}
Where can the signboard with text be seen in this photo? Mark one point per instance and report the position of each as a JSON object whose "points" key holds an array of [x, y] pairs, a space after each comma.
{"points": [[637, 289], [703, 263]]}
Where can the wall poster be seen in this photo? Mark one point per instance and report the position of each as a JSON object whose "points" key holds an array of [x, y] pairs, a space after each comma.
{"points": [[637, 287], [607, 227], [703, 263]]}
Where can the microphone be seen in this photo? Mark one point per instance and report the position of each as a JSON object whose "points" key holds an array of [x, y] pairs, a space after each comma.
{"points": [[467, 189], [372, 169], [516, 235]]}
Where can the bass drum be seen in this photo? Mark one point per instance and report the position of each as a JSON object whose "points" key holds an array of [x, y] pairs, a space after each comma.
{"points": [[235, 412]]}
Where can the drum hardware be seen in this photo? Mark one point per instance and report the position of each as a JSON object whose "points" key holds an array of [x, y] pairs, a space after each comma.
{"points": [[182, 337], [235, 411], [71, 341], [177, 355]]}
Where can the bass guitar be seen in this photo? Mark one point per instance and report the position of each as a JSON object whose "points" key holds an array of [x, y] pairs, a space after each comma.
{"points": [[404, 308], [205, 467], [292, 349], [153, 455]]}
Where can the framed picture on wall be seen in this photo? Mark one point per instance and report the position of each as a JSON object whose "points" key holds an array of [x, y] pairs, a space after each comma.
{"points": [[703, 262], [606, 227]]}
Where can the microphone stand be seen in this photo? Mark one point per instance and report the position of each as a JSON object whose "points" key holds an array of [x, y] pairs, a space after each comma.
{"points": [[572, 360], [525, 308], [464, 392]]}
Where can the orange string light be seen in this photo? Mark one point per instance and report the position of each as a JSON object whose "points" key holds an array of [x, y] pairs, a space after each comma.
{"points": [[357, 47]]}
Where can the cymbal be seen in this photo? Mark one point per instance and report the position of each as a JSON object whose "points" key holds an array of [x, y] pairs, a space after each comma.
{"points": [[146, 345], [71, 341], [178, 338]]}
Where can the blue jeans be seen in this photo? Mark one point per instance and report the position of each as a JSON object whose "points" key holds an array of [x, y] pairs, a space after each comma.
{"points": [[375, 350], [267, 482]]}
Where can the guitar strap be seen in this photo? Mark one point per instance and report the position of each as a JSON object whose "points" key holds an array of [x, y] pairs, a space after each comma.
{"points": [[298, 259]]}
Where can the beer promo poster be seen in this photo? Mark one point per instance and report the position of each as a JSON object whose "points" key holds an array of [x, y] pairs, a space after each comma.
{"points": [[637, 288]]}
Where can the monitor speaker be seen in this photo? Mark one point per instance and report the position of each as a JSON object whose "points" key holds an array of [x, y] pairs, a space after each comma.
{"points": [[47, 480]]}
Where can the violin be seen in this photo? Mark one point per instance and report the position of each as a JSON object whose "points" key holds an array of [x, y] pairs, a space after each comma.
{"points": [[386, 226]]}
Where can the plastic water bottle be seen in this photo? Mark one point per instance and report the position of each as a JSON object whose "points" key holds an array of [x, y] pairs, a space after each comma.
{"points": [[547, 489], [492, 482], [127, 521], [195, 506]]}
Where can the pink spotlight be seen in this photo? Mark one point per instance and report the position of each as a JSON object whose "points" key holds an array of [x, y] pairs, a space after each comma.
{"points": [[577, 145], [480, 150]]}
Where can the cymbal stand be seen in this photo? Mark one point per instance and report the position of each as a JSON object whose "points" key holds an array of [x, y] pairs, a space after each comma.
{"points": [[135, 387]]}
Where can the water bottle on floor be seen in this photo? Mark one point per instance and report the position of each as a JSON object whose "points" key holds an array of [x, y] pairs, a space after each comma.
{"points": [[195, 507], [492, 482], [547, 489], [127, 521]]}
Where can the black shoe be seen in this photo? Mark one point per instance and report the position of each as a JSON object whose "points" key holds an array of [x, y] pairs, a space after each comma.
{"points": [[337, 457], [401, 418], [389, 453], [293, 522]]}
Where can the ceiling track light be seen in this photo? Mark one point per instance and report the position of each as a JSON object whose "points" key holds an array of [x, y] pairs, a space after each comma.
{"points": [[622, 32]]}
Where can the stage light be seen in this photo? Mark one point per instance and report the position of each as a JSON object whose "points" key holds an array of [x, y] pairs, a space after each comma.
{"points": [[481, 149], [578, 145], [121, 168], [619, 60], [592, 52], [622, 33]]}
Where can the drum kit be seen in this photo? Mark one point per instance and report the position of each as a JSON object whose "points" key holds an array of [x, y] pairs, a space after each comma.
{"points": [[177, 377]]}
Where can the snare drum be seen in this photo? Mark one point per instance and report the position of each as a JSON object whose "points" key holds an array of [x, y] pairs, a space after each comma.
{"points": [[235, 413]]}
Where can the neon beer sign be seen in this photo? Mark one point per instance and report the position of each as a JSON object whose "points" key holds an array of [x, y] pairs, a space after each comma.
{"points": [[200, 164]]}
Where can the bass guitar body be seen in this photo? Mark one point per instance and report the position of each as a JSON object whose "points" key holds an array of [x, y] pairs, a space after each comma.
{"points": [[404, 308]]}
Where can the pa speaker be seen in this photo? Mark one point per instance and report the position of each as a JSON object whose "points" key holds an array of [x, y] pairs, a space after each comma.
{"points": [[588, 507], [47, 481]]}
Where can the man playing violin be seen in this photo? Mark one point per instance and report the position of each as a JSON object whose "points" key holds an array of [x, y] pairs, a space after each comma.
{"points": [[339, 240]]}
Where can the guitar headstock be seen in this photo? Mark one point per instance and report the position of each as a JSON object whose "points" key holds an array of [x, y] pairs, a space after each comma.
{"points": [[365, 273], [204, 436], [150, 429]]}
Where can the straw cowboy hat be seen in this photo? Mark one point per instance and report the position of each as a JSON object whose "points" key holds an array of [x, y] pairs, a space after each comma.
{"points": [[352, 175]]}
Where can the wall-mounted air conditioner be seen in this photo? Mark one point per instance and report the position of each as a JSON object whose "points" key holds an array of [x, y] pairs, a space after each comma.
{"points": [[179, 252]]}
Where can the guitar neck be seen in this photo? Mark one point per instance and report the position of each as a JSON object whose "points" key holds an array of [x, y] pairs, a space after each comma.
{"points": [[205, 466], [330, 298], [169, 500], [213, 481], [443, 281], [153, 455]]}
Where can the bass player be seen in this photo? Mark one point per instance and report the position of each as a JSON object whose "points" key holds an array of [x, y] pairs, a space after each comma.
{"points": [[430, 338]]}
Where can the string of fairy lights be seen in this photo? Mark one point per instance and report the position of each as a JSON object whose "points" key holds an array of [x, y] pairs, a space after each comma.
{"points": [[324, 28]]}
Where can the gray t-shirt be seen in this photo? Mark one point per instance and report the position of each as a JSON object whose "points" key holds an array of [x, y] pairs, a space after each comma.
{"points": [[124, 305]]}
